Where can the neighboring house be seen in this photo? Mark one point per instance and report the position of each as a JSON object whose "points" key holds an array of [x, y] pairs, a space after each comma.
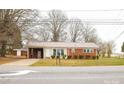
{"points": [[20, 52], [49, 49], [119, 55]]}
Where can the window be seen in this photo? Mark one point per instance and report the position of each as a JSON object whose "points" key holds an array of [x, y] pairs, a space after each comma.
{"points": [[58, 52], [91, 51], [62, 52], [54, 52], [88, 50], [84, 50]]}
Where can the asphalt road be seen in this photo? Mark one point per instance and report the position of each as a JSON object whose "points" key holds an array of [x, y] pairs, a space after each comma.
{"points": [[62, 75]]}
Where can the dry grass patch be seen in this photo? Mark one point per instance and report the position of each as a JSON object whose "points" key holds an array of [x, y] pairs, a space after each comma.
{"points": [[9, 59]]}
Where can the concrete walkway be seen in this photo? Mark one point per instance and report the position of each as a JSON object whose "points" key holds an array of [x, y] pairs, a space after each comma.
{"points": [[24, 62]]}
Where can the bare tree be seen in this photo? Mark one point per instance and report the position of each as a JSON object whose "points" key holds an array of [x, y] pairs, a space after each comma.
{"points": [[12, 22], [106, 48], [89, 33], [110, 46], [28, 35], [56, 24], [75, 30], [102, 48], [37, 33], [43, 34]]}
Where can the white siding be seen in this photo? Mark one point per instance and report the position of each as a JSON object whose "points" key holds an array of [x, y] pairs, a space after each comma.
{"points": [[48, 52], [65, 51], [18, 52]]}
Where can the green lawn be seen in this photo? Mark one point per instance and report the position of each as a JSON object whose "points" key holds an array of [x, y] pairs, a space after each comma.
{"points": [[81, 62]]}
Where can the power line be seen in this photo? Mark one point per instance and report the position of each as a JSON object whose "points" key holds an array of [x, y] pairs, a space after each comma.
{"points": [[119, 35], [96, 10], [118, 27], [89, 21]]}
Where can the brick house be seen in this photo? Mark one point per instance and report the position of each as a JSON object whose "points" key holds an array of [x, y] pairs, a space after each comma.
{"points": [[38, 49]]}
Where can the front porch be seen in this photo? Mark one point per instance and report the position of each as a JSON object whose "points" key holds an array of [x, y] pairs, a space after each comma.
{"points": [[35, 53], [46, 52]]}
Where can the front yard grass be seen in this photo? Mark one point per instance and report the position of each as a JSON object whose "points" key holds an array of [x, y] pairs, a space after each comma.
{"points": [[81, 62]]}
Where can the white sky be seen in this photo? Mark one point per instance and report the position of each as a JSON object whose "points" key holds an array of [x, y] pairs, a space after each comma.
{"points": [[106, 32]]}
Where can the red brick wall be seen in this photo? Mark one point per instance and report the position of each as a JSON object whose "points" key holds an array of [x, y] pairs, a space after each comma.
{"points": [[80, 52]]}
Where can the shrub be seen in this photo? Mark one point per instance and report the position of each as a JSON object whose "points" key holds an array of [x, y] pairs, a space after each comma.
{"points": [[88, 57], [97, 57], [93, 57], [75, 57], [57, 56], [52, 56], [64, 56], [69, 57], [81, 57]]}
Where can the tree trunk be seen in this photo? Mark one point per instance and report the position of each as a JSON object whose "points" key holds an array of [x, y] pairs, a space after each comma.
{"points": [[109, 55], [3, 49], [103, 54]]}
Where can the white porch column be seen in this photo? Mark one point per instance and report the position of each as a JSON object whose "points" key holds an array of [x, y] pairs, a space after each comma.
{"points": [[28, 53], [18, 52], [65, 51], [44, 53]]}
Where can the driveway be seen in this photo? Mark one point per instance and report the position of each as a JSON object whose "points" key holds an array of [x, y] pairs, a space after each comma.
{"points": [[24, 62]]}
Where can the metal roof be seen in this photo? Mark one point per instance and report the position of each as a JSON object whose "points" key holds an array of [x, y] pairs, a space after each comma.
{"points": [[37, 44]]}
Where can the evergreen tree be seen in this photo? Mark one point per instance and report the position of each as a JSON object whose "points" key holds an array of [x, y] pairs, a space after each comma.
{"points": [[122, 48]]}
